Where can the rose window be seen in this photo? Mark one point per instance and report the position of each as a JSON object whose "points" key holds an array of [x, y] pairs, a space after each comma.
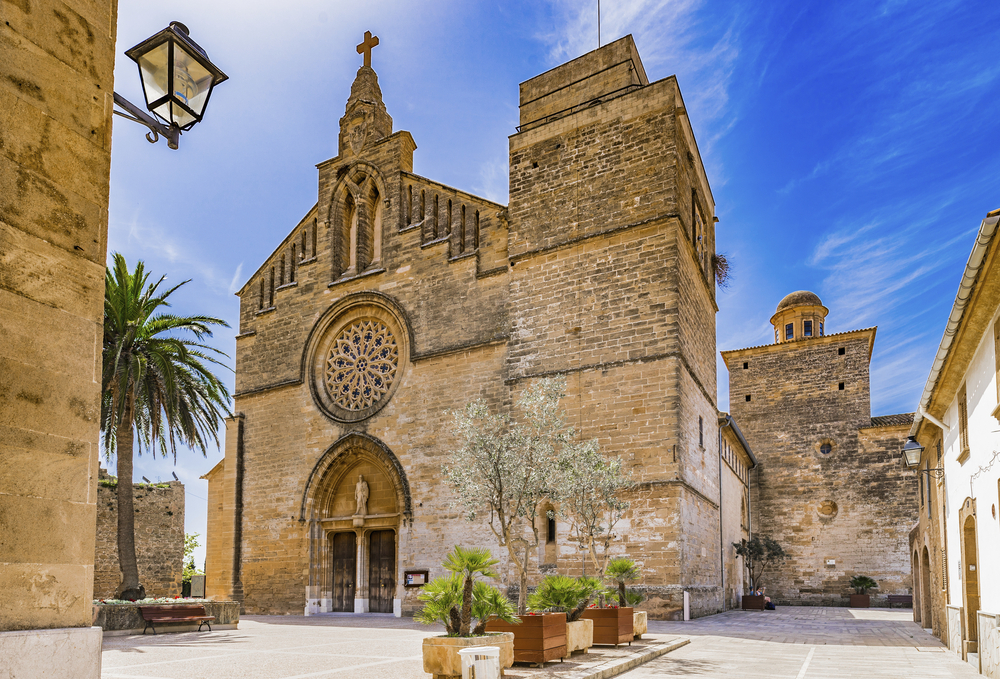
{"points": [[361, 365]]}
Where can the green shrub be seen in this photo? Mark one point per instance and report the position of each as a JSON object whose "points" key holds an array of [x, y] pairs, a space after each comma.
{"points": [[563, 594]]}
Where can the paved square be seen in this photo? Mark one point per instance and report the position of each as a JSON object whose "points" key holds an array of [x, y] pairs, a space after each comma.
{"points": [[792, 643], [805, 642]]}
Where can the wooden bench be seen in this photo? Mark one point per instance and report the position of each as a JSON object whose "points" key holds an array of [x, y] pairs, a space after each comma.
{"points": [[901, 599], [175, 613]]}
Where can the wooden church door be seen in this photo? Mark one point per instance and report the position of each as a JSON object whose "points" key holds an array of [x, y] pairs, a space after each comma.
{"points": [[344, 571], [381, 571]]}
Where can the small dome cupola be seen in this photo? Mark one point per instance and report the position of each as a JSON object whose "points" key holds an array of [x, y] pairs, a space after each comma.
{"points": [[800, 315]]}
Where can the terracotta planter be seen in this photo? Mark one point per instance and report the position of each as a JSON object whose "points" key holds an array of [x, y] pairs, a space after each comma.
{"points": [[538, 639], [611, 625], [752, 602], [860, 601], [441, 659], [579, 636], [638, 624]]}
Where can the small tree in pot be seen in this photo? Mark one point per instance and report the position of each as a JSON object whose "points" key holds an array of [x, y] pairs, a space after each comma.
{"points": [[459, 600], [563, 594], [759, 554], [861, 585]]}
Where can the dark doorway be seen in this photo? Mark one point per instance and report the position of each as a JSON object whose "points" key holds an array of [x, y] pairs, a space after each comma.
{"points": [[381, 571], [344, 571]]}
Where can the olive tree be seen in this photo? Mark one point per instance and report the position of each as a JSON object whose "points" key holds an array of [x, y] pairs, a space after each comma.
{"points": [[505, 466]]}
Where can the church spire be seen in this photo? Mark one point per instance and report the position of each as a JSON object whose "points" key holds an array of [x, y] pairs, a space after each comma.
{"points": [[366, 120]]}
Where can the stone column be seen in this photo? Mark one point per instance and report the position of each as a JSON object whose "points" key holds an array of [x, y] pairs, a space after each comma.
{"points": [[56, 88]]}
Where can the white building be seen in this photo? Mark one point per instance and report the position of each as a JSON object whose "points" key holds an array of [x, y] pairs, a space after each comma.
{"points": [[956, 545]]}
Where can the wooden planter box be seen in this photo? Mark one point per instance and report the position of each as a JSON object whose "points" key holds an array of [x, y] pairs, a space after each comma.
{"points": [[611, 625], [538, 639], [441, 659], [861, 600], [752, 602]]}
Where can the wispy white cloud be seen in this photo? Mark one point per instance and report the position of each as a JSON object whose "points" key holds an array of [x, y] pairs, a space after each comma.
{"points": [[234, 284], [493, 180], [672, 39]]}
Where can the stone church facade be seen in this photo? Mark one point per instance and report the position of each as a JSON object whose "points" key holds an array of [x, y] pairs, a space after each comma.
{"points": [[830, 486], [397, 298]]}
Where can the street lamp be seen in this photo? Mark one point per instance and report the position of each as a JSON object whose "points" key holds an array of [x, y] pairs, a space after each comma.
{"points": [[911, 457], [911, 452], [177, 81]]}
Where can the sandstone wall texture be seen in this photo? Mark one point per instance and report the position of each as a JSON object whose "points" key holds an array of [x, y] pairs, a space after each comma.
{"points": [[841, 510], [599, 270], [56, 84], [159, 538]]}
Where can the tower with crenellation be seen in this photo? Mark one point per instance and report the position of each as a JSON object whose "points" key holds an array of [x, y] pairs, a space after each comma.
{"points": [[397, 299]]}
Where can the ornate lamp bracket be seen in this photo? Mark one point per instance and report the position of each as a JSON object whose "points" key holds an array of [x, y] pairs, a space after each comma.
{"points": [[156, 128]]}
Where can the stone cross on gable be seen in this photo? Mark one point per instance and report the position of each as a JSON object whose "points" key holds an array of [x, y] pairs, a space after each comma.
{"points": [[365, 47]]}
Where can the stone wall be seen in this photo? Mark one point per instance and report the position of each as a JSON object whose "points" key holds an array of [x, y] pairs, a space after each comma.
{"points": [[600, 271], [159, 538], [840, 513], [56, 83]]}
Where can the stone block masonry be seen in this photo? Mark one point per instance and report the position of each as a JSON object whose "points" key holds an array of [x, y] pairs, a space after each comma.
{"points": [[159, 538], [829, 486], [599, 270]]}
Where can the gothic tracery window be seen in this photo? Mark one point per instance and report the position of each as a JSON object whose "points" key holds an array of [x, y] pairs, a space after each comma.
{"points": [[361, 365]]}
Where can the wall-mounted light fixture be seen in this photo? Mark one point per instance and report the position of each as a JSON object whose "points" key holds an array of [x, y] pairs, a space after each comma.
{"points": [[177, 81]]}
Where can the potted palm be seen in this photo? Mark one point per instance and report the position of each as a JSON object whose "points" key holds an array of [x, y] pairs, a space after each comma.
{"points": [[463, 605], [563, 594], [861, 585], [615, 624]]}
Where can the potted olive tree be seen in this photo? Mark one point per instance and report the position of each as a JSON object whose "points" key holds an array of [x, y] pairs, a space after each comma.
{"points": [[759, 554], [463, 605], [861, 585], [572, 596]]}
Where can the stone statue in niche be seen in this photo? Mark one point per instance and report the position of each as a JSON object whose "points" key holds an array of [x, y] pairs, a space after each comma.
{"points": [[361, 496]]}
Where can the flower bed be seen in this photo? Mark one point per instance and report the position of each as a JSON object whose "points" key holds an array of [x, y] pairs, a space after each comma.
{"points": [[118, 617]]}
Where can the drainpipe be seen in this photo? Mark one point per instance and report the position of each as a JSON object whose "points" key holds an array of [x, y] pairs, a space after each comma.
{"points": [[722, 549]]}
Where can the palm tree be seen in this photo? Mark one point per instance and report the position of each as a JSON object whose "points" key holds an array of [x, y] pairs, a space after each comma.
{"points": [[157, 388], [470, 563]]}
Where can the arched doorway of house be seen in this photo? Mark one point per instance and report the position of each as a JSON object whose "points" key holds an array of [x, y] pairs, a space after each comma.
{"points": [[926, 614], [357, 502], [970, 580], [917, 584]]}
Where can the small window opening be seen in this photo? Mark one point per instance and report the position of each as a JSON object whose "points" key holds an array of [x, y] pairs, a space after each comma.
{"points": [[821, 328], [840, 386], [701, 431], [550, 530], [745, 365], [748, 398], [534, 165], [841, 351], [826, 449], [789, 331], [807, 328]]}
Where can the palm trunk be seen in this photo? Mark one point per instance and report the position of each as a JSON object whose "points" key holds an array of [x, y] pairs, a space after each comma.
{"points": [[126, 513], [466, 606]]}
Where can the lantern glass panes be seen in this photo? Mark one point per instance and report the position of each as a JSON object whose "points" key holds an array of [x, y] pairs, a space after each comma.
{"points": [[177, 76]]}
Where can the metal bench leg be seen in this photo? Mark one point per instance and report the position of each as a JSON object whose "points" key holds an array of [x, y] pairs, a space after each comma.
{"points": [[205, 622]]}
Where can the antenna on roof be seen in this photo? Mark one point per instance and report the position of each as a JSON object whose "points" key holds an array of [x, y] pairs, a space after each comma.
{"points": [[598, 24]]}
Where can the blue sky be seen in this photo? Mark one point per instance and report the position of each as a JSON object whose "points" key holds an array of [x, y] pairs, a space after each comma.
{"points": [[851, 146]]}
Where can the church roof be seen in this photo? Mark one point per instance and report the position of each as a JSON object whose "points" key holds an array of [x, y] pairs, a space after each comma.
{"points": [[892, 420], [799, 298]]}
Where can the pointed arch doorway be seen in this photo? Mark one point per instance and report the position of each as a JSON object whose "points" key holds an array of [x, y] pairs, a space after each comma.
{"points": [[357, 503]]}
